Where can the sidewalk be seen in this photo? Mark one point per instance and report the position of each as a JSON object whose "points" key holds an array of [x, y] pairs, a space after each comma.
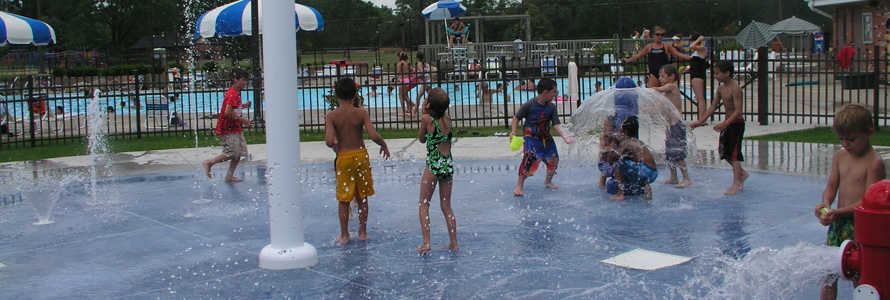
{"points": [[470, 148]]}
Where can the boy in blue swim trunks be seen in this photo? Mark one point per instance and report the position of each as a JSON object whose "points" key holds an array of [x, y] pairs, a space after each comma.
{"points": [[633, 165], [853, 170], [539, 113]]}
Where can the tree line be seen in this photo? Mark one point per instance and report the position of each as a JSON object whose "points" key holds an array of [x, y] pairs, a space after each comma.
{"points": [[113, 26]]}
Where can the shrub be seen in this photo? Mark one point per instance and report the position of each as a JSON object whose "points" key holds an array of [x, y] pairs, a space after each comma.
{"points": [[210, 67]]}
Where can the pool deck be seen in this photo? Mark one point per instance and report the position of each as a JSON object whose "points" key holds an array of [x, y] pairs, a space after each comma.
{"points": [[148, 235]]}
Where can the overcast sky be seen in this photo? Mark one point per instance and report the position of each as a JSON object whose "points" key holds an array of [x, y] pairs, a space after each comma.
{"points": [[390, 3]]}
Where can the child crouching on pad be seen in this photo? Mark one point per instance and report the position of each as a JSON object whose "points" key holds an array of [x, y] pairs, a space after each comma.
{"points": [[633, 165]]}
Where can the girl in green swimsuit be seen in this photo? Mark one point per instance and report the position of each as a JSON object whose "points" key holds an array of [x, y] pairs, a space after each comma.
{"points": [[435, 131]]}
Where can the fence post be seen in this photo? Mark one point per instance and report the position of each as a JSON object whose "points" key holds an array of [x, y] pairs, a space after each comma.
{"points": [[876, 72], [503, 69], [762, 86], [578, 64], [138, 105], [30, 84]]}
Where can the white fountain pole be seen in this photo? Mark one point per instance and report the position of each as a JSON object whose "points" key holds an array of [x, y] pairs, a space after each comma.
{"points": [[287, 250]]}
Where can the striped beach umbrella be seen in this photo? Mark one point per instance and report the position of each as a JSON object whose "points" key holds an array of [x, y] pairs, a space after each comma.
{"points": [[18, 30], [755, 35], [443, 10], [794, 25], [233, 19]]}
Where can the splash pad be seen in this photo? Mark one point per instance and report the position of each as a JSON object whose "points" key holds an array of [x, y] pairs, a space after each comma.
{"points": [[156, 243]]}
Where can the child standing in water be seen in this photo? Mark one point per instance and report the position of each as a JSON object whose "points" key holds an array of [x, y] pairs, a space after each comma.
{"points": [[853, 170], [539, 113], [435, 131], [343, 133], [733, 128], [675, 142]]}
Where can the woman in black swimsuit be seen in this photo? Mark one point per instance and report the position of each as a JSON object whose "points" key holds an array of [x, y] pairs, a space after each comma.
{"points": [[698, 70], [657, 54]]}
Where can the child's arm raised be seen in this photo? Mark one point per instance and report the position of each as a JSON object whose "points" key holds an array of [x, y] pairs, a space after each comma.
{"points": [[425, 121], [369, 127], [677, 53]]}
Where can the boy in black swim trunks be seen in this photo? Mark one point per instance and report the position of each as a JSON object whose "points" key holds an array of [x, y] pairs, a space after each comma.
{"points": [[853, 170], [733, 128]]}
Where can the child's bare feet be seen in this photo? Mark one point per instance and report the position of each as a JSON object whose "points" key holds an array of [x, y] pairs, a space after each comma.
{"points": [[672, 180], [363, 235], [424, 248], [551, 186], [207, 165], [518, 191], [648, 194], [736, 187], [343, 239], [602, 182], [684, 183], [618, 197], [234, 179], [452, 246]]}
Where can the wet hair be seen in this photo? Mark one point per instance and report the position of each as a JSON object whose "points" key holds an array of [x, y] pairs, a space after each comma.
{"points": [[631, 126], [345, 88], [851, 119], [403, 55], [419, 55], [724, 66], [438, 102], [239, 73], [670, 69], [694, 36], [545, 84]]}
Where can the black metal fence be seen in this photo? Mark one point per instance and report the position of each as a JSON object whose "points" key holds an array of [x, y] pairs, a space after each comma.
{"points": [[778, 88]]}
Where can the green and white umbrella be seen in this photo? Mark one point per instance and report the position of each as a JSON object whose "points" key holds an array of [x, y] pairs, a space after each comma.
{"points": [[755, 35], [794, 25]]}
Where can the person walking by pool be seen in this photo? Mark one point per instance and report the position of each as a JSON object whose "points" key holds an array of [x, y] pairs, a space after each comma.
{"points": [[657, 53], [422, 80], [435, 131], [403, 74], [343, 133], [539, 113], [675, 141], [733, 128], [525, 86], [229, 127], [853, 169], [698, 70]]}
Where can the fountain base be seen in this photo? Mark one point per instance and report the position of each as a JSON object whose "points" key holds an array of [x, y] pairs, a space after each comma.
{"points": [[272, 258], [43, 222]]}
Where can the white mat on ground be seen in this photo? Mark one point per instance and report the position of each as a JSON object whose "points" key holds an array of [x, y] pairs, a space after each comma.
{"points": [[642, 259]]}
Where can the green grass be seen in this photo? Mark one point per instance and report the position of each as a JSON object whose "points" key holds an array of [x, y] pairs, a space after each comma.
{"points": [[822, 135], [187, 140]]}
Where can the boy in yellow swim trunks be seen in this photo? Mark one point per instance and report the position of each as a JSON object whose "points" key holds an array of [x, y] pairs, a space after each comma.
{"points": [[343, 133], [853, 169]]}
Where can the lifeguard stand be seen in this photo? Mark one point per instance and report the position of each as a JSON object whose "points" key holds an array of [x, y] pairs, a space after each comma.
{"points": [[460, 59]]}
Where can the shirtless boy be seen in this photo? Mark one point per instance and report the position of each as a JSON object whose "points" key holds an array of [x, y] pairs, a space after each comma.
{"points": [[343, 133], [733, 128]]}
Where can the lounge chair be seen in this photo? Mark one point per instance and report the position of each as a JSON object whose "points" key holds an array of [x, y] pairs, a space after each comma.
{"points": [[548, 65]]}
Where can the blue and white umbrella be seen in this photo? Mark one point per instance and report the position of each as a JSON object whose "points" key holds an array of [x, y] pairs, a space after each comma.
{"points": [[233, 19], [15, 29], [443, 10]]}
